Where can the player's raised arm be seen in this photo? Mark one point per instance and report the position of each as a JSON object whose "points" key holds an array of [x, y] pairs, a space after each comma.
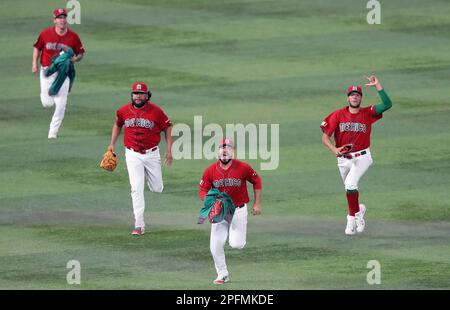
{"points": [[386, 102]]}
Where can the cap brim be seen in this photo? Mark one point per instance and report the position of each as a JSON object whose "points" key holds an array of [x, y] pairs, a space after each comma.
{"points": [[354, 91]]}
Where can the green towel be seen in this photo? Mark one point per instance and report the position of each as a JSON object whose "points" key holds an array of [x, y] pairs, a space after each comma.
{"points": [[225, 205], [65, 69]]}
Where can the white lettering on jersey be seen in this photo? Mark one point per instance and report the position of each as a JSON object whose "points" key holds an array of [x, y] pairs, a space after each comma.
{"points": [[227, 182], [56, 46], [355, 127], [139, 122]]}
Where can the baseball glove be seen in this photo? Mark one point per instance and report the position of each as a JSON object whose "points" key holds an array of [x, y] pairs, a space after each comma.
{"points": [[109, 161], [346, 149]]}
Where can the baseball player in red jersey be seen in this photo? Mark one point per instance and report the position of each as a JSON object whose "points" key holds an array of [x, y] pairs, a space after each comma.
{"points": [[230, 175], [50, 42], [351, 127], [143, 122]]}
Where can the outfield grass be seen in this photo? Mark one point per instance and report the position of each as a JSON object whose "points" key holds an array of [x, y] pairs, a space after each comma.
{"points": [[285, 62]]}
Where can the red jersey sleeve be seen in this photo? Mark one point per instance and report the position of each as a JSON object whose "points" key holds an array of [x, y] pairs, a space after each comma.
{"points": [[329, 124], [205, 184], [373, 114], [163, 120], [39, 44], [120, 120], [78, 47], [253, 177]]}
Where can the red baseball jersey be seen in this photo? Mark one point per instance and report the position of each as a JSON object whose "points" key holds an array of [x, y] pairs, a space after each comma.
{"points": [[50, 43], [351, 128], [232, 181], [142, 126]]}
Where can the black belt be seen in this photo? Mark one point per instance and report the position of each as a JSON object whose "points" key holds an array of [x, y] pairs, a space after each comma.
{"points": [[240, 206], [143, 151]]}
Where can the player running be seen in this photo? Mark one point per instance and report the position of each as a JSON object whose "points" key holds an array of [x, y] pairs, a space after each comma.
{"points": [[351, 127], [51, 42], [143, 123], [230, 175]]}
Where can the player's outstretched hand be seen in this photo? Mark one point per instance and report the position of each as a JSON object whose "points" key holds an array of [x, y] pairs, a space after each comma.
{"points": [[168, 159], [373, 80], [256, 210]]}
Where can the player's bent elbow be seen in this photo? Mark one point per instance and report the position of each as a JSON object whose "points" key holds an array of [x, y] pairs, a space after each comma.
{"points": [[388, 104], [47, 101]]}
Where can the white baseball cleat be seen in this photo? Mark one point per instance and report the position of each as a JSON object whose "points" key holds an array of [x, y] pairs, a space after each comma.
{"points": [[351, 225], [52, 135], [359, 216], [221, 279], [138, 231]]}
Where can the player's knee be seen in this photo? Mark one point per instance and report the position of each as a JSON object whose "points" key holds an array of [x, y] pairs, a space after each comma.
{"points": [[47, 101], [158, 189], [237, 244]]}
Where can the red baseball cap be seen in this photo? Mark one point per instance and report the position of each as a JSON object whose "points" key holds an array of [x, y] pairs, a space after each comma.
{"points": [[139, 87], [226, 142], [58, 12], [354, 89]]}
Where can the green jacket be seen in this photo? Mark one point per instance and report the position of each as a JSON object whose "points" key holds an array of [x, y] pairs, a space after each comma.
{"points": [[65, 68], [222, 211]]}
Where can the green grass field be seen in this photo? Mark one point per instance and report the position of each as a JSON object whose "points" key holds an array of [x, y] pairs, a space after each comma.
{"points": [[254, 61]]}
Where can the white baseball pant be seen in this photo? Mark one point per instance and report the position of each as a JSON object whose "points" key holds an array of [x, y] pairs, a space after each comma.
{"points": [[59, 100], [143, 167], [353, 169], [237, 234]]}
